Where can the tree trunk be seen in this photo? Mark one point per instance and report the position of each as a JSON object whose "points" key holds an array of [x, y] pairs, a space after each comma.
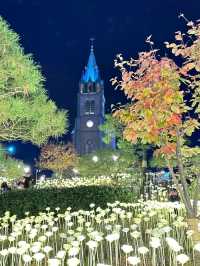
{"points": [[193, 225], [185, 194]]}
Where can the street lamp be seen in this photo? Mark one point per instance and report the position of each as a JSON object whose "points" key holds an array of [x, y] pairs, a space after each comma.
{"points": [[11, 149], [115, 157], [27, 169], [95, 159], [75, 171]]}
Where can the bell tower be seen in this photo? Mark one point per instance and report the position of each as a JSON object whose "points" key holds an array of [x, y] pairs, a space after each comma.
{"points": [[90, 109]]}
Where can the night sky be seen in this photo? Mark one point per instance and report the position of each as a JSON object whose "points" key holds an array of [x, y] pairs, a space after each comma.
{"points": [[57, 33]]}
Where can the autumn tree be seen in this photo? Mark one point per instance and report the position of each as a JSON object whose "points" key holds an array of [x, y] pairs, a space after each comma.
{"points": [[57, 157], [26, 113], [164, 103]]}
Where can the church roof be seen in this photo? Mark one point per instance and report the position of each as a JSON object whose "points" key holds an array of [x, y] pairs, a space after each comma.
{"points": [[91, 72]]}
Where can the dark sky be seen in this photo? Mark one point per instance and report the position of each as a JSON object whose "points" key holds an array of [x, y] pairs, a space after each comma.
{"points": [[57, 33]]}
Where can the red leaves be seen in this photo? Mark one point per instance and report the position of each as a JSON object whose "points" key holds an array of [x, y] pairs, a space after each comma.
{"points": [[126, 76], [168, 149], [130, 135], [174, 119]]}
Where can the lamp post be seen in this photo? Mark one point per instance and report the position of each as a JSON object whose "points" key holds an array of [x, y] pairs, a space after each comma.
{"points": [[95, 158], [27, 169], [10, 149], [36, 175], [75, 171], [115, 158]]}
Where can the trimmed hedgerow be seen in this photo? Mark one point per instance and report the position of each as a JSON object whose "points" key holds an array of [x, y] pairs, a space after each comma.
{"points": [[35, 200]]}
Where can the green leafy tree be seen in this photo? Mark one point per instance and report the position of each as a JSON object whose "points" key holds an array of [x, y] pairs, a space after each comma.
{"points": [[26, 113], [112, 127], [10, 169], [108, 162]]}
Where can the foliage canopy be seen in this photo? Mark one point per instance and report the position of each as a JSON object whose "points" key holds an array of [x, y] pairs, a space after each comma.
{"points": [[26, 113], [159, 112]]}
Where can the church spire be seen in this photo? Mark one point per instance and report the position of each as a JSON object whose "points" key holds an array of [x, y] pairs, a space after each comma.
{"points": [[91, 72]]}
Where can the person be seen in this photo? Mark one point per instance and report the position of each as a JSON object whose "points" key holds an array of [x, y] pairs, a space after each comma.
{"points": [[5, 187], [173, 195], [26, 182]]}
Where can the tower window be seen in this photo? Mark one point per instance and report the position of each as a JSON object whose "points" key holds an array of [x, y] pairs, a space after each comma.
{"points": [[90, 107]]}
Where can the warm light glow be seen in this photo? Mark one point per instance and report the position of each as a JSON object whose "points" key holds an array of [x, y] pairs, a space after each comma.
{"points": [[27, 169], [115, 157], [75, 171], [95, 158]]}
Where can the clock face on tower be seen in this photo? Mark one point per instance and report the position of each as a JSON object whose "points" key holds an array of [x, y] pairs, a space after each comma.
{"points": [[89, 123]]}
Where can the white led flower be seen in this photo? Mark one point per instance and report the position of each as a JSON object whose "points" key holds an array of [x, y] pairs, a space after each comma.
{"points": [[143, 250], [21, 251], [155, 242], [35, 249], [133, 260], [21, 243], [73, 251], [39, 256], [42, 238], [27, 258], [81, 238], [92, 244], [113, 237], [127, 248], [197, 247], [73, 262], [4, 252], [182, 258], [61, 254], [12, 250], [135, 234], [47, 249], [53, 262]]}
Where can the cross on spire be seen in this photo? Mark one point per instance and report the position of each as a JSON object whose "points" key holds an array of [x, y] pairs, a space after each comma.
{"points": [[92, 44]]}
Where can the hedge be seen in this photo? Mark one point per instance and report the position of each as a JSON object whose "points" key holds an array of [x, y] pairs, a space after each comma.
{"points": [[35, 200]]}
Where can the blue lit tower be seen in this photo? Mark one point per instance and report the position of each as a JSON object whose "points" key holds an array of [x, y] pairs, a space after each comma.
{"points": [[90, 109]]}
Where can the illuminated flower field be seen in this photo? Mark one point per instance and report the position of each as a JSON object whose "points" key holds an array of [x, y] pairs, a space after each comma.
{"points": [[145, 233], [119, 179]]}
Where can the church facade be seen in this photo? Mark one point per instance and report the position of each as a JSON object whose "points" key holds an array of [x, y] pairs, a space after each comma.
{"points": [[87, 137]]}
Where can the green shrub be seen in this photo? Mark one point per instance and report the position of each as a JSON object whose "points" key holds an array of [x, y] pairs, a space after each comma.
{"points": [[35, 200]]}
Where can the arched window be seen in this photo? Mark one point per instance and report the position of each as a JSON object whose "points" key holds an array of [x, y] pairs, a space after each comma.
{"points": [[89, 146], [90, 107]]}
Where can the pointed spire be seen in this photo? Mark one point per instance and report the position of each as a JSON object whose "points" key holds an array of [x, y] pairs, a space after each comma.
{"points": [[91, 72]]}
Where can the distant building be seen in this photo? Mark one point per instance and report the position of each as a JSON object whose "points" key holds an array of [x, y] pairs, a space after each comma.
{"points": [[87, 137]]}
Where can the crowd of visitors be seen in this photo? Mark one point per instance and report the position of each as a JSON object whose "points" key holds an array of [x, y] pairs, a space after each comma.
{"points": [[23, 183]]}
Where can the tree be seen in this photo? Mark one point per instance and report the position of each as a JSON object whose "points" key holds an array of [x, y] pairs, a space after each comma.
{"points": [[108, 163], [113, 128], [26, 113], [162, 111], [57, 157], [10, 169]]}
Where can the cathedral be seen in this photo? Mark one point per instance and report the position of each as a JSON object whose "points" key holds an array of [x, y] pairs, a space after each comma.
{"points": [[87, 137]]}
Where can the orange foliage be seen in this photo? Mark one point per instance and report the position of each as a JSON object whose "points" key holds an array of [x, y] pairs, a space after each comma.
{"points": [[57, 157], [153, 87], [157, 107], [168, 149]]}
